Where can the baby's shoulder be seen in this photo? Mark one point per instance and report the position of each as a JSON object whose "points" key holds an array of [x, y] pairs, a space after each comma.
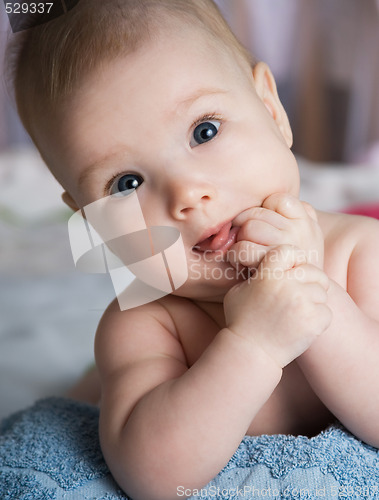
{"points": [[170, 314], [133, 336], [351, 250], [172, 325], [348, 231]]}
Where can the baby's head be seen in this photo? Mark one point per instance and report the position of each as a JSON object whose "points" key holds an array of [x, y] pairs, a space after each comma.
{"points": [[51, 63], [157, 96]]}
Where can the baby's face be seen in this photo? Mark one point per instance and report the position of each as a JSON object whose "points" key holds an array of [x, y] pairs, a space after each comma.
{"points": [[183, 123]]}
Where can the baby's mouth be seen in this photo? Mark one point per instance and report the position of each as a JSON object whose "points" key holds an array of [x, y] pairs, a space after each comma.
{"points": [[220, 241]]}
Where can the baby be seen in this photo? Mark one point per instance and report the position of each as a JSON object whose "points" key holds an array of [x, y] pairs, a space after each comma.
{"points": [[276, 329]]}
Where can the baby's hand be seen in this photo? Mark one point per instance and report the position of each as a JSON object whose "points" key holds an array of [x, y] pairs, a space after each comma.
{"points": [[282, 220], [283, 307]]}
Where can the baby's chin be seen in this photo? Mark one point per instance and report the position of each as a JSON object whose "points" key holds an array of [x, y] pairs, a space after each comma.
{"points": [[200, 297], [207, 289]]}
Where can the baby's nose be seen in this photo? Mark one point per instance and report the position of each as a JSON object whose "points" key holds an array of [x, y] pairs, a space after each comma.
{"points": [[187, 195]]}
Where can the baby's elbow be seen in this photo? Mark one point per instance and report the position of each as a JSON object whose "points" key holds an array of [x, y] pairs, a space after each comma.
{"points": [[143, 482], [370, 437], [147, 474], [151, 487]]}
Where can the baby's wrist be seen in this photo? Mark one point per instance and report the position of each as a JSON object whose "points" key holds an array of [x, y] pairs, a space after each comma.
{"points": [[257, 350]]}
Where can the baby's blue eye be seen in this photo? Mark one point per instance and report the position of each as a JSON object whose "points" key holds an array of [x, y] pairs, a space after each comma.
{"points": [[204, 132], [128, 182]]}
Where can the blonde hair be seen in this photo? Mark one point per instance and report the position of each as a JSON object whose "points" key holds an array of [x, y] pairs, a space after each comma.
{"points": [[45, 64]]}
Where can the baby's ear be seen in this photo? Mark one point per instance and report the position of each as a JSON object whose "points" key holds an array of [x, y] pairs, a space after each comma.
{"points": [[265, 87], [68, 199]]}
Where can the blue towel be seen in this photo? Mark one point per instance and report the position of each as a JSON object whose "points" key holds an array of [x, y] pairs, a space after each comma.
{"points": [[51, 451]]}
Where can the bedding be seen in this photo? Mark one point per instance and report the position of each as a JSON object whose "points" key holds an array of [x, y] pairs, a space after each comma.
{"points": [[51, 451]]}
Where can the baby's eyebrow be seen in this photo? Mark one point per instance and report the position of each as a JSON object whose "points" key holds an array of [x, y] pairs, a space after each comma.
{"points": [[202, 92], [97, 165]]}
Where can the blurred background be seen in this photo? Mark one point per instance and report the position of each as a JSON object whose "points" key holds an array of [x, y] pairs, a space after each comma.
{"points": [[324, 56]]}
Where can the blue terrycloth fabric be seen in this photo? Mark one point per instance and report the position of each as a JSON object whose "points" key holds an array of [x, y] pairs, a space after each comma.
{"points": [[51, 451]]}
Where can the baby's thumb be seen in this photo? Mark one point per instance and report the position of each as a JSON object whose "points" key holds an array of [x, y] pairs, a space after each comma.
{"points": [[281, 258]]}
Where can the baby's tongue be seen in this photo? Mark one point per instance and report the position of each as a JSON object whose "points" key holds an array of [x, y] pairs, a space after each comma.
{"points": [[215, 241]]}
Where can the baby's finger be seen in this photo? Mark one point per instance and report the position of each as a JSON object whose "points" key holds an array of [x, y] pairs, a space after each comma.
{"points": [[316, 293], [308, 273], [281, 259], [324, 316], [246, 254], [286, 205], [310, 210], [260, 232], [259, 213]]}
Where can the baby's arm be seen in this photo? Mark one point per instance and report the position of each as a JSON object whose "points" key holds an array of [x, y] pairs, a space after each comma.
{"points": [[343, 366], [164, 425]]}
